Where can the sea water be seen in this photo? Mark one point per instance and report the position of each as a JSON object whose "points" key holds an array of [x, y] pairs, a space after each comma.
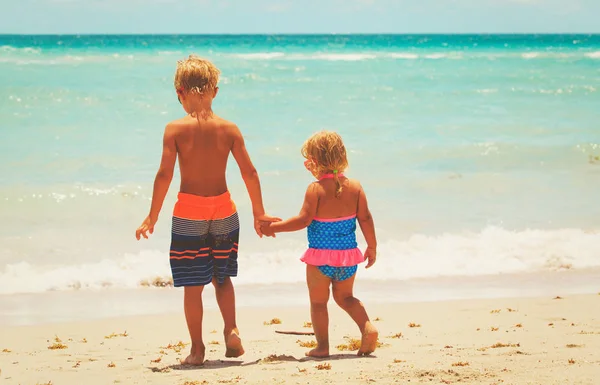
{"points": [[480, 155]]}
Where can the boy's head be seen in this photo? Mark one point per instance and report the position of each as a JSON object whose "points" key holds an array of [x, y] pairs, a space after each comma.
{"points": [[196, 78]]}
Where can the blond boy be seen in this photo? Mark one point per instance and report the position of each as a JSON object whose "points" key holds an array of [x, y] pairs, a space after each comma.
{"points": [[205, 224]]}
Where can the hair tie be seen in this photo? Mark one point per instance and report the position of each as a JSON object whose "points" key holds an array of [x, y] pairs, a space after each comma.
{"points": [[335, 171]]}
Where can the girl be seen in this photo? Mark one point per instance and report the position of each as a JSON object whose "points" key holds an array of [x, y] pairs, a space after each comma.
{"points": [[332, 205]]}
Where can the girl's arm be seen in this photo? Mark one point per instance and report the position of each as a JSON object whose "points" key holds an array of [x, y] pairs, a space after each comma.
{"points": [[367, 226], [300, 221]]}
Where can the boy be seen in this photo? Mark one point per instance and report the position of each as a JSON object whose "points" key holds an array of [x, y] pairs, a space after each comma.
{"points": [[205, 232]]}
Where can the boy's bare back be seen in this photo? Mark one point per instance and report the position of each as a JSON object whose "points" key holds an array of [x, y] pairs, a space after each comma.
{"points": [[203, 147]]}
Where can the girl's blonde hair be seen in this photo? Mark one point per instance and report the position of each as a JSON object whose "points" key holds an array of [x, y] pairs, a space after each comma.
{"points": [[327, 152]]}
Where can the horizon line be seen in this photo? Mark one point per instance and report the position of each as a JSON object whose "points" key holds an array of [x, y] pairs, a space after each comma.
{"points": [[309, 34]]}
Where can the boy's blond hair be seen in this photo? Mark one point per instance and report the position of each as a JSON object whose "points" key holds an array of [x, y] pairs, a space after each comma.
{"points": [[196, 75], [327, 152]]}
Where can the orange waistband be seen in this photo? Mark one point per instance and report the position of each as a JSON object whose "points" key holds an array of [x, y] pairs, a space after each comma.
{"points": [[197, 200], [195, 207]]}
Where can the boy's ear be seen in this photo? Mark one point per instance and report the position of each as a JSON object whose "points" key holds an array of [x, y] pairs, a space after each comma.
{"points": [[216, 92]]}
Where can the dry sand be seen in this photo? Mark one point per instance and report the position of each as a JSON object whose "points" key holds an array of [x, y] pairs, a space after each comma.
{"points": [[495, 341]]}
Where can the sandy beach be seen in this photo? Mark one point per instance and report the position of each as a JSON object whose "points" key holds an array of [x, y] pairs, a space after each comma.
{"points": [[497, 341]]}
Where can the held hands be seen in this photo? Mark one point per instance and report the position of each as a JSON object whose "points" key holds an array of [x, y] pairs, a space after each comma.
{"points": [[262, 225], [146, 226], [371, 256]]}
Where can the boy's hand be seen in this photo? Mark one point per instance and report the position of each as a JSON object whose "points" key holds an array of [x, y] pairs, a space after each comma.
{"points": [[371, 256], [265, 228], [147, 226], [263, 218]]}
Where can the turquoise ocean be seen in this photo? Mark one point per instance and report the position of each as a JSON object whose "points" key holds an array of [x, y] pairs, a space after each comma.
{"points": [[480, 156]]}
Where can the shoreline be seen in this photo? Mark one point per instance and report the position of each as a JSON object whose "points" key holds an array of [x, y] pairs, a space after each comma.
{"points": [[88, 305], [546, 340]]}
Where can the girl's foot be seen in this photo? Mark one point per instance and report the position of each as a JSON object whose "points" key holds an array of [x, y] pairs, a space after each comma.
{"points": [[196, 357], [369, 340], [318, 353], [233, 342]]}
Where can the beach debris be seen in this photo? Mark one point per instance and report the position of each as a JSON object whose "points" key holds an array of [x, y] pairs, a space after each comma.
{"points": [[301, 370], [6, 351], [213, 343], [353, 344], [157, 360], [478, 329], [460, 363], [294, 333], [177, 347], [274, 321], [519, 325], [307, 344], [397, 335], [325, 366], [114, 335], [307, 325], [496, 311], [77, 364], [574, 346], [498, 345], [494, 329], [233, 380], [551, 324], [195, 383], [45, 383], [448, 347], [377, 319], [396, 361], [558, 297], [57, 346], [571, 361], [213, 332], [158, 282], [572, 324], [92, 359], [111, 365], [511, 310], [414, 325], [84, 341]]}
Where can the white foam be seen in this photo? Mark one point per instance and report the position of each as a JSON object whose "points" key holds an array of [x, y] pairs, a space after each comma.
{"points": [[407, 56], [530, 55], [11, 49], [593, 55], [491, 251], [259, 55]]}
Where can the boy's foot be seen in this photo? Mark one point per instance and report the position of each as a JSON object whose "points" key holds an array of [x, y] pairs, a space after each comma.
{"points": [[318, 353], [368, 343], [196, 357], [233, 342], [193, 360]]}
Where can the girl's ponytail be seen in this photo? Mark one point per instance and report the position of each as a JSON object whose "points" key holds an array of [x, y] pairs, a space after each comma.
{"points": [[338, 184]]}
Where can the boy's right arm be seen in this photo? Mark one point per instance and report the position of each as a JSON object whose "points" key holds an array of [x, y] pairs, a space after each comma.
{"points": [[367, 226], [251, 179]]}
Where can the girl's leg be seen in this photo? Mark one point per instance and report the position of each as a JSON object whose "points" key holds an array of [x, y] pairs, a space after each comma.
{"points": [[318, 290], [342, 294]]}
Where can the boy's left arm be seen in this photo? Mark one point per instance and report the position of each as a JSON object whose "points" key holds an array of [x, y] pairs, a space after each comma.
{"points": [[300, 221], [161, 182]]}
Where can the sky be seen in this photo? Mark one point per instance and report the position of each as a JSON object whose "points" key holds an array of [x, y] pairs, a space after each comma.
{"points": [[298, 16]]}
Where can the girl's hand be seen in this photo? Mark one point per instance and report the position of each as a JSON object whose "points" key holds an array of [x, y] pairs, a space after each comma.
{"points": [[146, 226], [371, 255]]}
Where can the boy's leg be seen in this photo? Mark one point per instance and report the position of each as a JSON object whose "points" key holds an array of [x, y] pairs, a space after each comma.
{"points": [[192, 303], [342, 294], [318, 290], [226, 299]]}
